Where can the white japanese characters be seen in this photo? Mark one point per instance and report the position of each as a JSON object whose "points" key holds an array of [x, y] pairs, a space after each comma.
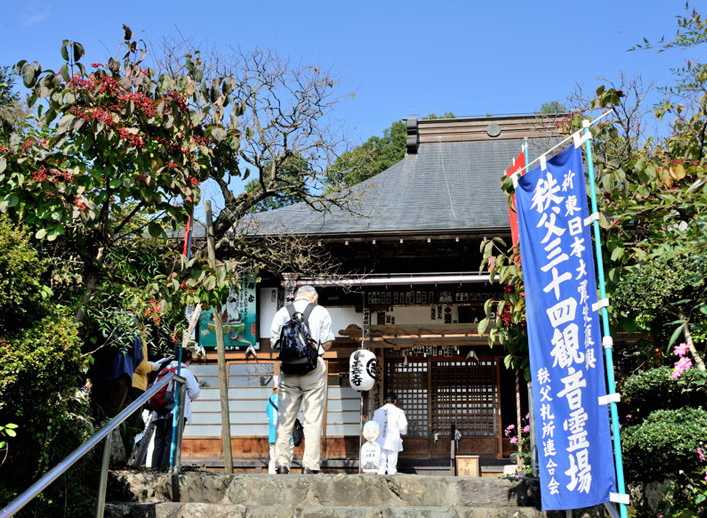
{"points": [[572, 344]]}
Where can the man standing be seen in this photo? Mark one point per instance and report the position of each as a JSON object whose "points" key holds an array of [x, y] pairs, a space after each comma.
{"points": [[392, 423], [271, 410], [306, 391]]}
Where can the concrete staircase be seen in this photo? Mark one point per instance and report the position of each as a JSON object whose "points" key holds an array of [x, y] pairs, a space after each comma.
{"points": [[215, 495]]}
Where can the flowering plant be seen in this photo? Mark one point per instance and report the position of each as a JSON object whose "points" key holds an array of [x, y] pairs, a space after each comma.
{"points": [[521, 439]]}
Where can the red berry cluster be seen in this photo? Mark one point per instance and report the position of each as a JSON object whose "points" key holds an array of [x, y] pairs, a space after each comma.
{"points": [[80, 203], [193, 181], [506, 316], [141, 101], [153, 311], [178, 99], [133, 138], [93, 114], [52, 174], [202, 141]]}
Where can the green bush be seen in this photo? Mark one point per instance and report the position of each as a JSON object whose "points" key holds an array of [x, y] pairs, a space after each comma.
{"points": [[654, 389], [40, 370], [21, 289], [663, 446]]}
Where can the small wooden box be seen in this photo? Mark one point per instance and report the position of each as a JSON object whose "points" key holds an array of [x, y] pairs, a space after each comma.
{"points": [[468, 466]]}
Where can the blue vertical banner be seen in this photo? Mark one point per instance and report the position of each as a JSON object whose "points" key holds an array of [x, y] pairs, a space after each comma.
{"points": [[575, 459]]}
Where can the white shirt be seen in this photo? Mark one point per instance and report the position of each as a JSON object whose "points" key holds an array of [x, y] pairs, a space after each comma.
{"points": [[393, 424], [192, 387], [319, 323]]}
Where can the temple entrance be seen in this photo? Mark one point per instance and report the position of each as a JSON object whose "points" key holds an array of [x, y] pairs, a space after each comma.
{"points": [[437, 392]]}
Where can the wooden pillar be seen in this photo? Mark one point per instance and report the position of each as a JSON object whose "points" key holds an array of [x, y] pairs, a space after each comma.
{"points": [[326, 411]]}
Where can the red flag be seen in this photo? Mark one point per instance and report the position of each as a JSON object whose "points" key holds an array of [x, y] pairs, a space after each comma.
{"points": [[518, 163]]}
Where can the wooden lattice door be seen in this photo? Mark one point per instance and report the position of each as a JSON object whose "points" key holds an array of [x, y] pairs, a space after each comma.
{"points": [[435, 392]]}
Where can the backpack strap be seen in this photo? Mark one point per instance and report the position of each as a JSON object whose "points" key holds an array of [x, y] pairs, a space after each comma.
{"points": [[291, 309], [308, 311]]}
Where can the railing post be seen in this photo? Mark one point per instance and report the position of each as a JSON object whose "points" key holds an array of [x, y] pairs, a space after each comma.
{"points": [[103, 481]]}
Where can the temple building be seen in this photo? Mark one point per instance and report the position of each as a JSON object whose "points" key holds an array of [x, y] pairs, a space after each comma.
{"points": [[408, 288]]}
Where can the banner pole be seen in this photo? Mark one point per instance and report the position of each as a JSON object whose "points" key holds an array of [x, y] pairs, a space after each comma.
{"points": [[607, 342]]}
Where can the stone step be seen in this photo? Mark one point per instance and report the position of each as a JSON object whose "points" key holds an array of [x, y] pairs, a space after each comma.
{"points": [[339, 490], [200, 510]]}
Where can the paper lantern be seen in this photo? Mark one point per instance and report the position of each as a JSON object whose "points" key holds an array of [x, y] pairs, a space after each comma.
{"points": [[362, 370]]}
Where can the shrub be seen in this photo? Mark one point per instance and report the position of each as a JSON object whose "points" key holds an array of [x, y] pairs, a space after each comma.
{"points": [[664, 445], [21, 290], [40, 370], [654, 389]]}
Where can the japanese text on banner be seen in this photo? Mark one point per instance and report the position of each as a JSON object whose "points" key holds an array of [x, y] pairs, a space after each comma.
{"points": [[572, 429]]}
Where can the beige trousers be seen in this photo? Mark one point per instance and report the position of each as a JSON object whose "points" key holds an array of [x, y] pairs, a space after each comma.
{"points": [[305, 392]]}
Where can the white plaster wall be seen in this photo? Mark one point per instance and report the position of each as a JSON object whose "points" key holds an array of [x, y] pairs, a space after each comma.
{"points": [[341, 316]]}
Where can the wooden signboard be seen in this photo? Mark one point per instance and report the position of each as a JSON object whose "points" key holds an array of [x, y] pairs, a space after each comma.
{"points": [[468, 466]]}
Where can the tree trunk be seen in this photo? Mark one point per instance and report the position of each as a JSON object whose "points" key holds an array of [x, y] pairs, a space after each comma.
{"points": [[693, 350], [222, 369]]}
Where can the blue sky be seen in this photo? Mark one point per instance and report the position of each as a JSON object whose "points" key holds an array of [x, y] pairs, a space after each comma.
{"points": [[394, 58]]}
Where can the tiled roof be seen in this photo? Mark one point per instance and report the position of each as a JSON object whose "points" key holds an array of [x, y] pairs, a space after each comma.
{"points": [[446, 186]]}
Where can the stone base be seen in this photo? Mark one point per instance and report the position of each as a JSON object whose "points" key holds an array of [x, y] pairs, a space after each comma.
{"points": [[214, 495]]}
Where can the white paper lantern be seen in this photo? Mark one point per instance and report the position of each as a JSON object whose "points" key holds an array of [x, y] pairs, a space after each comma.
{"points": [[362, 370]]}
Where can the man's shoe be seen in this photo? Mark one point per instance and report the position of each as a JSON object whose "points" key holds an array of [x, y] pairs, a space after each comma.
{"points": [[308, 471], [282, 470]]}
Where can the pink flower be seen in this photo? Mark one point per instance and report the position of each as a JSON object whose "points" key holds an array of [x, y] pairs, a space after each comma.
{"points": [[527, 416], [700, 454], [96, 65], [526, 428], [681, 350], [681, 366], [514, 440]]}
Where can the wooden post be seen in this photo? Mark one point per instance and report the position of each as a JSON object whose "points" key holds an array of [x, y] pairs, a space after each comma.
{"points": [[222, 368], [519, 460], [326, 411]]}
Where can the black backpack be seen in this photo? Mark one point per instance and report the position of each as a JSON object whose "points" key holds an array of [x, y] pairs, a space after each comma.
{"points": [[298, 350]]}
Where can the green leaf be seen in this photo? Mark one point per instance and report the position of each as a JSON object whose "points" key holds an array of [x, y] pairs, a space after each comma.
{"points": [[65, 50], [10, 432], [54, 231], [64, 71], [508, 361], [30, 72], [676, 334], [617, 253], [155, 229], [483, 325], [11, 200], [78, 51], [41, 233]]}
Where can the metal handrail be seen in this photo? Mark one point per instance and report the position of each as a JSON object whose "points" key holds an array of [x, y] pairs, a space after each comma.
{"points": [[104, 433]]}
